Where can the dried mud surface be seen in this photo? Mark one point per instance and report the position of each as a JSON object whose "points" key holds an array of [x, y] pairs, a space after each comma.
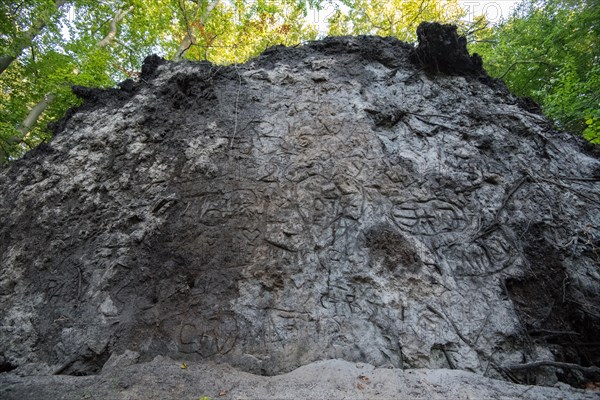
{"points": [[337, 200]]}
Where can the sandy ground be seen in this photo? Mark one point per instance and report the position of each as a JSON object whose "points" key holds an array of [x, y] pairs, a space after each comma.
{"points": [[164, 378]]}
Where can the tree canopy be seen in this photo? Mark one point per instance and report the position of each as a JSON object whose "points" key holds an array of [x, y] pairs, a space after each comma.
{"points": [[46, 46], [398, 18], [548, 51]]}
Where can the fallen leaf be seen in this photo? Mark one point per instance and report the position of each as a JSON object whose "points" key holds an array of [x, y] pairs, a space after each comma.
{"points": [[183, 366], [222, 393]]}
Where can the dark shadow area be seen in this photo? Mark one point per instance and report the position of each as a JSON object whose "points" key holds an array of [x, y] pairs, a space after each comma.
{"points": [[554, 311]]}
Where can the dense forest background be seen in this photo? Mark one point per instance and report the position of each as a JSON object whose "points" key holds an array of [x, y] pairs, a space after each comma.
{"points": [[547, 50]]}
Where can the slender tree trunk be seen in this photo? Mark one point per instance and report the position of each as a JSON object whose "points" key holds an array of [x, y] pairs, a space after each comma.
{"points": [[189, 39], [112, 33], [5, 61], [26, 125], [26, 38], [187, 42], [34, 115]]}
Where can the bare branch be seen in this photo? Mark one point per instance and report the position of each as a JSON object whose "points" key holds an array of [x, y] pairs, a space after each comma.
{"points": [[112, 33], [555, 364], [189, 39], [522, 62], [187, 42], [417, 15]]}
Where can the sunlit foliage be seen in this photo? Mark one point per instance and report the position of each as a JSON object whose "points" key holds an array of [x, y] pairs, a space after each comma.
{"points": [[550, 51]]}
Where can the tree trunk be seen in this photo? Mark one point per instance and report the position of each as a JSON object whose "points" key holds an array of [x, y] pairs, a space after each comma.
{"points": [[26, 38], [26, 125], [34, 115], [5, 61], [112, 33], [186, 43], [189, 39]]}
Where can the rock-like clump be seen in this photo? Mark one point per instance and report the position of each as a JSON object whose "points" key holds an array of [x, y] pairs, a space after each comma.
{"points": [[342, 199], [441, 49]]}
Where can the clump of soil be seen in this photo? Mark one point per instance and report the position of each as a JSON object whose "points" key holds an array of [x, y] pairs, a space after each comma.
{"points": [[442, 49], [393, 250]]}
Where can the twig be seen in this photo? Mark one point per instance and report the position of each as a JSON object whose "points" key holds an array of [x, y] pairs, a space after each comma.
{"points": [[536, 364], [526, 390], [456, 330], [522, 62], [112, 33], [79, 285], [486, 231], [183, 47], [482, 326], [490, 362], [413, 74], [570, 189], [418, 14], [551, 332], [237, 100], [510, 194], [446, 355], [579, 178], [496, 224], [450, 362], [70, 361]]}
